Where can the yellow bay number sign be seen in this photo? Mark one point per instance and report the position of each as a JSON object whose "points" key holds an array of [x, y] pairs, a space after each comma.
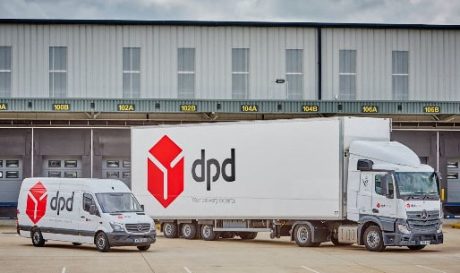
{"points": [[249, 108], [369, 109], [3, 106]]}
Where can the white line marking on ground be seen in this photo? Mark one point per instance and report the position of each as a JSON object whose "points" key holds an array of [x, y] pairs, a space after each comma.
{"points": [[63, 270], [430, 268], [309, 269], [187, 270]]}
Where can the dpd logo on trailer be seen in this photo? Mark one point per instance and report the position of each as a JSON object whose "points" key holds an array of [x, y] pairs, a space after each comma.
{"points": [[165, 165], [36, 202]]}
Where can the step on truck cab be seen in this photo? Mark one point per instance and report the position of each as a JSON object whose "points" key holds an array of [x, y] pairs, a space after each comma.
{"points": [[102, 212], [335, 179]]}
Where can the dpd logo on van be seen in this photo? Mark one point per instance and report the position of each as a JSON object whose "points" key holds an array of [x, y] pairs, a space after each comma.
{"points": [[36, 202], [165, 165]]}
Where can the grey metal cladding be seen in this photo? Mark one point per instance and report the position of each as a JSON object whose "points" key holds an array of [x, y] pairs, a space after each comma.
{"points": [[95, 59]]}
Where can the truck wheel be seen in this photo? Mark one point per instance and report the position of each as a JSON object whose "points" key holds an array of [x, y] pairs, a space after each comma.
{"points": [[188, 231], [303, 236], [37, 238], [208, 234], [143, 248], [373, 239], [417, 247], [247, 235], [102, 242], [170, 230]]}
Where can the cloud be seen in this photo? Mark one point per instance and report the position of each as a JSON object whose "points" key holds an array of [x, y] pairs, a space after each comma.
{"points": [[364, 11]]}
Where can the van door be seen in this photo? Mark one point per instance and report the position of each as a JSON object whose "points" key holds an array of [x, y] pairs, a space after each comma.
{"points": [[88, 222], [63, 205]]}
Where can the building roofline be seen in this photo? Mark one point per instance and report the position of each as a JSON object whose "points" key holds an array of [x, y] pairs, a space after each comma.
{"points": [[223, 23]]}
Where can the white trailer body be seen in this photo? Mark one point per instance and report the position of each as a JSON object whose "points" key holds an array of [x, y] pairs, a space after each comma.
{"points": [[283, 169]]}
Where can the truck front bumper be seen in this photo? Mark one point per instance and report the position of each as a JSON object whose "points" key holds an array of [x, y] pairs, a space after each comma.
{"points": [[131, 239], [414, 238]]}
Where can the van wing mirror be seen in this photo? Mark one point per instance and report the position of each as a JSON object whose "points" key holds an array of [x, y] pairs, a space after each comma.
{"points": [[142, 207], [365, 165], [92, 210]]}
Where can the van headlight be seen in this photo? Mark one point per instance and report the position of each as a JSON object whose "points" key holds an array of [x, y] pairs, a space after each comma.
{"points": [[152, 226], [403, 229], [117, 226]]}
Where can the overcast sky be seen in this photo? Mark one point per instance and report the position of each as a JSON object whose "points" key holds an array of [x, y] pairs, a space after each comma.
{"points": [[361, 11]]}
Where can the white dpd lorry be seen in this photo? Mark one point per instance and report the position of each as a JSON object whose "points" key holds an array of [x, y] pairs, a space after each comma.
{"points": [[316, 180]]}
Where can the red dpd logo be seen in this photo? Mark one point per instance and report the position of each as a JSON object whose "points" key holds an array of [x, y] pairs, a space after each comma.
{"points": [[36, 202], [165, 171]]}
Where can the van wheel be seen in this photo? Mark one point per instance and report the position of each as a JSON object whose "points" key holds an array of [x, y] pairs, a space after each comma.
{"points": [[208, 234], [143, 248], [188, 231], [247, 235], [170, 230], [373, 239], [101, 241], [303, 236], [417, 247], [37, 238]]}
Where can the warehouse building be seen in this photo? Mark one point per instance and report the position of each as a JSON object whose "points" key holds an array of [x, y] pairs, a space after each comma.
{"points": [[71, 89]]}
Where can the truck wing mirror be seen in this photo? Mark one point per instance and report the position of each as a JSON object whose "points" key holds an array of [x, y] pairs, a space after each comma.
{"points": [[365, 165], [386, 179]]}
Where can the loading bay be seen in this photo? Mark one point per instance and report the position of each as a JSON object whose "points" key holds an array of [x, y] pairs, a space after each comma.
{"points": [[226, 255]]}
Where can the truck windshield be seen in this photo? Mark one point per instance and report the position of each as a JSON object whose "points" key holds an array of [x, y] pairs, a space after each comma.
{"points": [[416, 184], [118, 202]]}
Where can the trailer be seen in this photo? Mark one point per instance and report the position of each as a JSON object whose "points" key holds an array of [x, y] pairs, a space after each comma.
{"points": [[315, 180]]}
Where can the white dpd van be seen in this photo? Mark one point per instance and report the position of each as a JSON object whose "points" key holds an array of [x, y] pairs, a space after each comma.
{"points": [[103, 212]]}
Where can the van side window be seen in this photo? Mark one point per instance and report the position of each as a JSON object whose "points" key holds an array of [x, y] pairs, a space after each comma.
{"points": [[87, 201]]}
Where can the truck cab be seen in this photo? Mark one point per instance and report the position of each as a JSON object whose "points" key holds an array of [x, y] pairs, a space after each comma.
{"points": [[392, 196]]}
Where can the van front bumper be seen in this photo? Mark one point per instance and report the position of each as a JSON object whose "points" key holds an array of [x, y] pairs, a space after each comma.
{"points": [[121, 238]]}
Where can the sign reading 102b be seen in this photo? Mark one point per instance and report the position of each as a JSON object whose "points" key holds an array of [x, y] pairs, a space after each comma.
{"points": [[432, 109]]}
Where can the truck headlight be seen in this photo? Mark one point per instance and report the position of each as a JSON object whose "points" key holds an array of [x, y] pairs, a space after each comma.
{"points": [[117, 226], [403, 229]]}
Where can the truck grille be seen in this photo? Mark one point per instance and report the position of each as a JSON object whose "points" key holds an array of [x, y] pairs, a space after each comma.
{"points": [[423, 220], [137, 228]]}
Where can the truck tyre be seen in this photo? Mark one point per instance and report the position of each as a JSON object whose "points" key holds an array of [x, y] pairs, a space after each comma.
{"points": [[188, 231], [102, 242], [37, 237], [208, 234], [303, 236], [170, 230], [247, 235], [417, 247], [373, 239], [143, 248]]}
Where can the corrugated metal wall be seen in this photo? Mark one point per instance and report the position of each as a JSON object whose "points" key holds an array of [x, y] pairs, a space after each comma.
{"points": [[434, 62], [95, 58]]}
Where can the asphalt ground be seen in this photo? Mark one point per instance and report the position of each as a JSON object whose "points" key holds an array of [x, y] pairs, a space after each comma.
{"points": [[226, 255]]}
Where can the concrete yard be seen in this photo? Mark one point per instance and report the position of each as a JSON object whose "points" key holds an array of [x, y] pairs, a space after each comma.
{"points": [[230, 255]]}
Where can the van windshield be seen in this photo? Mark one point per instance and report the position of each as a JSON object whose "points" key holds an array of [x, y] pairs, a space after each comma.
{"points": [[118, 202]]}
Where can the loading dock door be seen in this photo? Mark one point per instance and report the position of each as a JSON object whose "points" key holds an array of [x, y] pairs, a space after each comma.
{"points": [[68, 167], [117, 168], [10, 180]]}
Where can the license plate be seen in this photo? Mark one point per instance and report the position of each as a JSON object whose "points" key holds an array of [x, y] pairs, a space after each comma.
{"points": [[140, 240], [424, 242]]}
